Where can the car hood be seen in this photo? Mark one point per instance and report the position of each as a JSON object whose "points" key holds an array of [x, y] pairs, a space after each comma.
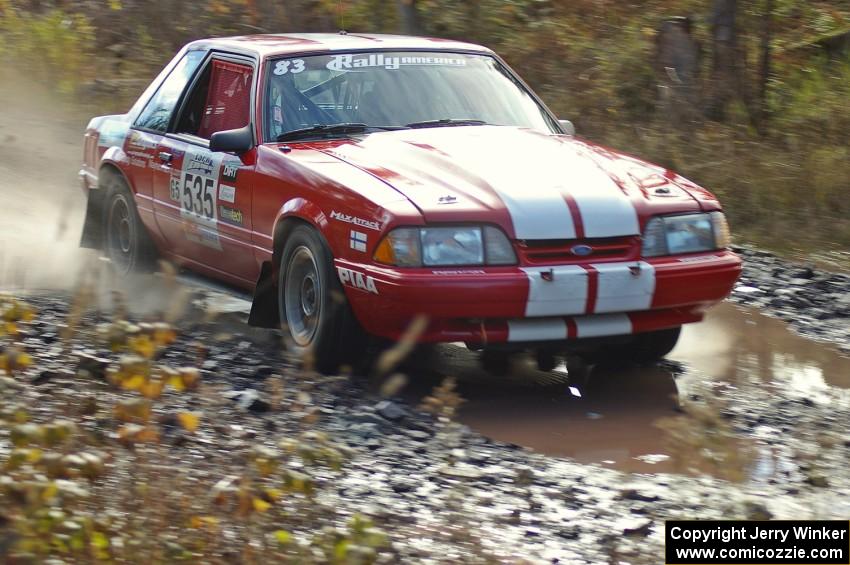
{"points": [[535, 186]]}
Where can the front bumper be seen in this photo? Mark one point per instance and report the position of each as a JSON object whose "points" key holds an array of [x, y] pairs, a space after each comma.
{"points": [[539, 304]]}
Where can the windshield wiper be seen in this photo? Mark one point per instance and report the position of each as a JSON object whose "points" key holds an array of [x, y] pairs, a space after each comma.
{"points": [[447, 122], [330, 129]]}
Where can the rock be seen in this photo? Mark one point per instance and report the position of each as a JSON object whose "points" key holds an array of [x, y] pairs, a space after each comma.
{"points": [[638, 529], [250, 400], [804, 273], [418, 435], [91, 365], [390, 410], [633, 494], [464, 472], [817, 480], [263, 372], [401, 485]]}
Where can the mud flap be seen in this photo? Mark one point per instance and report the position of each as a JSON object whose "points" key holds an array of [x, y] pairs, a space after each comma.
{"points": [[264, 310], [92, 237]]}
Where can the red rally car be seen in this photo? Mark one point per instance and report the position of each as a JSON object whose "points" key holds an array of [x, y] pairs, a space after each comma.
{"points": [[355, 181]]}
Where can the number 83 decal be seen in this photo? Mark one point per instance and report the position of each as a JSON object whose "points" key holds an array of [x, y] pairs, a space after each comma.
{"points": [[293, 66]]}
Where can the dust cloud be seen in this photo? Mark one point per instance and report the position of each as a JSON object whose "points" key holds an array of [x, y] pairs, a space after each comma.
{"points": [[41, 203]]}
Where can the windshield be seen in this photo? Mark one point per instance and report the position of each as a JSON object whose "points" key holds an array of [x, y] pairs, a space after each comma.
{"points": [[396, 89]]}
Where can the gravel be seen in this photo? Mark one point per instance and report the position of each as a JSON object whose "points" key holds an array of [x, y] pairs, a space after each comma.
{"points": [[445, 493]]}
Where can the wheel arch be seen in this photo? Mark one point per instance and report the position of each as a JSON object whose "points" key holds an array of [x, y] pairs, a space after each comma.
{"points": [[93, 228], [295, 212]]}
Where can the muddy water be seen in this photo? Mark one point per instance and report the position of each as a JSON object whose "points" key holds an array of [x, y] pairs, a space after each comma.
{"points": [[609, 418]]}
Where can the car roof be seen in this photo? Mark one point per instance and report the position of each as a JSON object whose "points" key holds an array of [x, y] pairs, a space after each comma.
{"points": [[270, 45]]}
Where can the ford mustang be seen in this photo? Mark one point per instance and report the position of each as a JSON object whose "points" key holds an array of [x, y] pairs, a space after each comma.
{"points": [[354, 182]]}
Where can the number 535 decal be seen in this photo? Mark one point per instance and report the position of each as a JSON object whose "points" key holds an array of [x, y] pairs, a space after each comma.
{"points": [[197, 188], [199, 195]]}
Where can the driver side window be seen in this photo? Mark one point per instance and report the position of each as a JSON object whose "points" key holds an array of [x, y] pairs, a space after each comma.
{"points": [[157, 114]]}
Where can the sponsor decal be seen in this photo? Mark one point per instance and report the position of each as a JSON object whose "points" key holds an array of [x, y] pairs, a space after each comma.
{"points": [[229, 171], [227, 193], [136, 162], [112, 132], [696, 259], [390, 63], [230, 215], [201, 235], [372, 225], [357, 280], [358, 241], [139, 140], [200, 163], [459, 272]]}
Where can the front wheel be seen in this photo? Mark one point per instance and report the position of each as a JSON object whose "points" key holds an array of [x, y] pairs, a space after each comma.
{"points": [[312, 306], [648, 347]]}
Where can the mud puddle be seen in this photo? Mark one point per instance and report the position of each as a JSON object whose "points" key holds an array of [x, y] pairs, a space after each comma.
{"points": [[610, 418]]}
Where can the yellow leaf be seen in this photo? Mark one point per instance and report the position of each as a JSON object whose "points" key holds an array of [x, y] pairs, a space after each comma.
{"points": [[24, 360], [152, 389], [189, 420], [274, 493], [163, 335], [261, 505], [177, 383], [190, 376], [198, 522], [143, 346], [135, 382]]}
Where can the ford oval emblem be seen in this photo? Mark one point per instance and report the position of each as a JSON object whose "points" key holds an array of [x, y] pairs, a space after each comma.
{"points": [[581, 250]]}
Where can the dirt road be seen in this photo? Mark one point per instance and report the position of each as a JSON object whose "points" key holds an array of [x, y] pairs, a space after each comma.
{"points": [[42, 204]]}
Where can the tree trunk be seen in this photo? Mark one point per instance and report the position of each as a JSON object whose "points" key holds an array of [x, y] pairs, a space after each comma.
{"points": [[677, 65], [764, 66], [724, 69], [409, 17]]}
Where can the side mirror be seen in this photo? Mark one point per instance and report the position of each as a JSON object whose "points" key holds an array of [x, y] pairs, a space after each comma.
{"points": [[233, 140], [568, 127]]}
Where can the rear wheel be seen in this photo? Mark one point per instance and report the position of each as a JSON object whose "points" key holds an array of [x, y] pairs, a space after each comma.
{"points": [[312, 306], [126, 242]]}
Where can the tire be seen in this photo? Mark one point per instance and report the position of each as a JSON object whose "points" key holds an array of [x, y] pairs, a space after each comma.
{"points": [[125, 239], [645, 348], [312, 306]]}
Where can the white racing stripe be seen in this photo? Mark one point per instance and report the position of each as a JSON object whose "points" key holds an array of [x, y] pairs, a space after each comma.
{"points": [[531, 193], [605, 211], [535, 203], [537, 330], [599, 325], [564, 295], [618, 290]]}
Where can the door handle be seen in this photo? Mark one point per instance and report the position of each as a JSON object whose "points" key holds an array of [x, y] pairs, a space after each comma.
{"points": [[165, 157]]}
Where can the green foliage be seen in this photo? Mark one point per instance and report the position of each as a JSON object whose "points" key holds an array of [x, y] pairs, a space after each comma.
{"points": [[591, 61], [54, 43]]}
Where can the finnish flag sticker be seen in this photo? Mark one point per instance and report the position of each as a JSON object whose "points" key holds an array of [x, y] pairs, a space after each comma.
{"points": [[358, 241]]}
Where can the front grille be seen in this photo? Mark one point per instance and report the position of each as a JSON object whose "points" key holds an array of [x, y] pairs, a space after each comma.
{"points": [[559, 251]]}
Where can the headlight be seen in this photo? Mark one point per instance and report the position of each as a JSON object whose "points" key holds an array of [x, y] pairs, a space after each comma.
{"points": [[688, 233], [445, 246]]}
